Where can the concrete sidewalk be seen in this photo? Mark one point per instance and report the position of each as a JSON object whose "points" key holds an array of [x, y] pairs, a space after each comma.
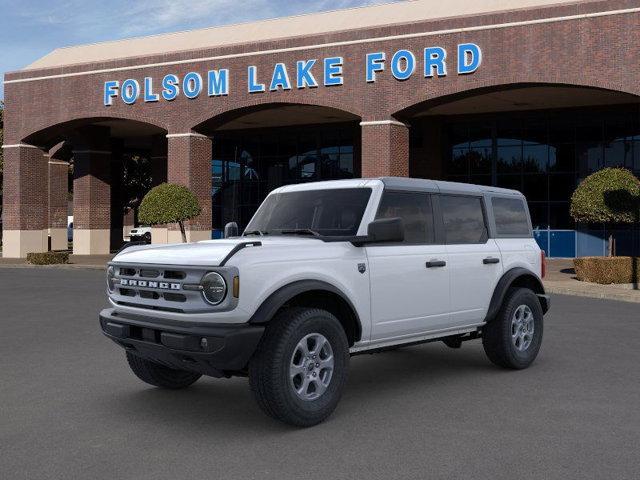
{"points": [[561, 279]]}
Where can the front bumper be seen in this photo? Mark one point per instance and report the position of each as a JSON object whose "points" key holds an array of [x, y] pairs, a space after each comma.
{"points": [[215, 350]]}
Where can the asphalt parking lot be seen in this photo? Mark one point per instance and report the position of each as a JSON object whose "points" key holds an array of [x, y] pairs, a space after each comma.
{"points": [[70, 408]]}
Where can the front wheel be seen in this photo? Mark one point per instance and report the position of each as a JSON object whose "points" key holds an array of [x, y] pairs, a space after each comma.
{"points": [[513, 338], [300, 367]]}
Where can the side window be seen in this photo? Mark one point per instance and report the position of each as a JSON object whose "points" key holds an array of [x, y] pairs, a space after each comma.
{"points": [[463, 219], [415, 211], [511, 217]]}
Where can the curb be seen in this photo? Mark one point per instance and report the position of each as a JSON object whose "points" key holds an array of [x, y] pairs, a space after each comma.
{"points": [[622, 297]]}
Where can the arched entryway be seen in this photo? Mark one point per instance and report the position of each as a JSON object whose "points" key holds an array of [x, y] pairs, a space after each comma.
{"points": [[537, 138], [259, 148], [92, 170]]}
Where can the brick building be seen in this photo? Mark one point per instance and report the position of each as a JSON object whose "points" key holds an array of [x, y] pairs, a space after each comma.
{"points": [[527, 94]]}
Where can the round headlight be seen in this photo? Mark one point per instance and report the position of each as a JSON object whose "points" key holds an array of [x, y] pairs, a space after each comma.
{"points": [[214, 288], [111, 273]]}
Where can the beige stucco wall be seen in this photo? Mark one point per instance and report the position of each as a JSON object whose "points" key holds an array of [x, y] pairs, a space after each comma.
{"points": [[17, 243]]}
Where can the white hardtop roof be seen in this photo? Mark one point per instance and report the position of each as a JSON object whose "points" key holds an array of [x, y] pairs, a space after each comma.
{"points": [[400, 183], [286, 27]]}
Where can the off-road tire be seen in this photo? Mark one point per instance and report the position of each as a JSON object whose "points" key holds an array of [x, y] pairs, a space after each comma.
{"points": [[497, 334], [269, 374], [159, 375]]}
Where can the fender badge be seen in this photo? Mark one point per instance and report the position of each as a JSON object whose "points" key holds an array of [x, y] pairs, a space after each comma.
{"points": [[362, 267]]}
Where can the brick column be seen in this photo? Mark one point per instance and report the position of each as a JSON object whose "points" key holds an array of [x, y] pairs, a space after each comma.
{"points": [[58, 191], [385, 149], [158, 160], [25, 210], [117, 208], [92, 192], [189, 164], [159, 233]]}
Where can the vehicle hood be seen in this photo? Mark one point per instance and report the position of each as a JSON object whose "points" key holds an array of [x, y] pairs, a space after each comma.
{"points": [[206, 253]]}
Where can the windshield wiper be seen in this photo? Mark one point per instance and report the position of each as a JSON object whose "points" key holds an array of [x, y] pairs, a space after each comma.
{"points": [[255, 232], [300, 231]]}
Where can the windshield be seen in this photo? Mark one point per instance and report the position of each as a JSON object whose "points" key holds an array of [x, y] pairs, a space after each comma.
{"points": [[332, 212]]}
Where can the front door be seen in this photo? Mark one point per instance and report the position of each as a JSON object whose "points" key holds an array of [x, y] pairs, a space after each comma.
{"points": [[409, 280]]}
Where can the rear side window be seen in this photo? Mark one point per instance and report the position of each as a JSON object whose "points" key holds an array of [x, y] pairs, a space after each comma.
{"points": [[511, 217], [463, 219], [415, 211]]}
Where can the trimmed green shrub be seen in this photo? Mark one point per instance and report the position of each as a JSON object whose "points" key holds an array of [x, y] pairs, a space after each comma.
{"points": [[169, 203], [611, 195], [607, 270], [48, 258]]}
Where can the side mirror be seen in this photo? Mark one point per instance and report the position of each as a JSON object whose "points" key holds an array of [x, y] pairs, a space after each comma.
{"points": [[231, 230], [385, 230]]}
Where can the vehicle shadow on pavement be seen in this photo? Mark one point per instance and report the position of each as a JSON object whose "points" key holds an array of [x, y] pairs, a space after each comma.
{"points": [[214, 404]]}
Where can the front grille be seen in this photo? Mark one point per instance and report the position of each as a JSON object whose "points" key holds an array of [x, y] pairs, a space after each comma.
{"points": [[174, 297], [146, 273], [174, 275], [159, 289]]}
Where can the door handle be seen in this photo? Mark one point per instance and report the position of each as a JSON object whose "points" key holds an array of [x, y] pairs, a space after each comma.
{"points": [[490, 260], [436, 263]]}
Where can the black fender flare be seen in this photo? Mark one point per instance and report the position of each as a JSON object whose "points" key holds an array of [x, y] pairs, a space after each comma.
{"points": [[269, 307], [506, 281]]}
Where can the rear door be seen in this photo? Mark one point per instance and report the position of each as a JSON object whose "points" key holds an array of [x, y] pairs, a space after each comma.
{"points": [[409, 280], [475, 263], [513, 233]]}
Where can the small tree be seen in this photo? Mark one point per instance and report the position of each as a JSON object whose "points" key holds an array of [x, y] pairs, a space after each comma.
{"points": [[611, 195], [169, 203]]}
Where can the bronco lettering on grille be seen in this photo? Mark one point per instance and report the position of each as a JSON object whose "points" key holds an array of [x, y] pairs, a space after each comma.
{"points": [[147, 284]]}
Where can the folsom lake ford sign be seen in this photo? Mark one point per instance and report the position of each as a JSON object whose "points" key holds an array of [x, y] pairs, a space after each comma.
{"points": [[309, 73]]}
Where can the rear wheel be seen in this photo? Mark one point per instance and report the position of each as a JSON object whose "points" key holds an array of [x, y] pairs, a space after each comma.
{"points": [[513, 338], [300, 367], [159, 375]]}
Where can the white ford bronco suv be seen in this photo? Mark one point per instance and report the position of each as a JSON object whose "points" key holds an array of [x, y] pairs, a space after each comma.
{"points": [[327, 270]]}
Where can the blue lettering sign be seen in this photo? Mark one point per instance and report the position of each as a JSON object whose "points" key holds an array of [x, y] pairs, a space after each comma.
{"points": [[375, 63], [192, 85], [110, 92], [130, 91], [170, 87], [149, 96], [254, 87], [280, 78], [304, 77], [333, 71], [434, 59], [469, 58], [218, 82], [403, 64]]}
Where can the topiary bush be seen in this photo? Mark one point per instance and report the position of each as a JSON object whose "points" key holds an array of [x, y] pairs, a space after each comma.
{"points": [[607, 270], [48, 258], [169, 203], [611, 195]]}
